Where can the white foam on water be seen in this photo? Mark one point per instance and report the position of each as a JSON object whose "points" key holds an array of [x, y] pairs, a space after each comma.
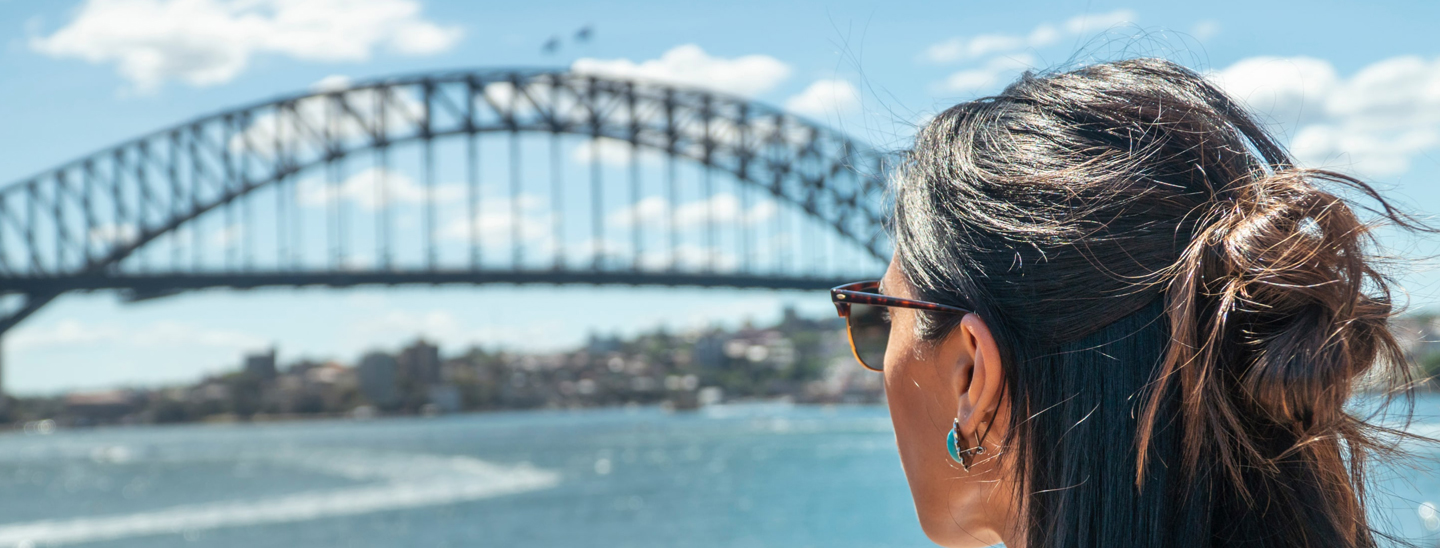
{"points": [[405, 481]]}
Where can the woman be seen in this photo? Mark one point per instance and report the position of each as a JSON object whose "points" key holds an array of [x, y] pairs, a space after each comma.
{"points": [[1122, 317]]}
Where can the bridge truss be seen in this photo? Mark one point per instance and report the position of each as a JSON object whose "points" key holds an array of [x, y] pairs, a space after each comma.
{"points": [[504, 176]]}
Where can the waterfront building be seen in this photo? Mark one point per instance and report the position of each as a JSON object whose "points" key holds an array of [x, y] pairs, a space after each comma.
{"points": [[261, 365], [377, 374], [419, 364]]}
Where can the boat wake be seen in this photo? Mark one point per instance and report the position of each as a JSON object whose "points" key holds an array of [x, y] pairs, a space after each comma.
{"points": [[400, 481]]}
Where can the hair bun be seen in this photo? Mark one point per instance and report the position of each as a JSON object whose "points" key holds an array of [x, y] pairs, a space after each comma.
{"points": [[1275, 299]]}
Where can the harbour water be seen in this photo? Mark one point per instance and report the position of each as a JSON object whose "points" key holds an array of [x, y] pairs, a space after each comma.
{"points": [[731, 476]]}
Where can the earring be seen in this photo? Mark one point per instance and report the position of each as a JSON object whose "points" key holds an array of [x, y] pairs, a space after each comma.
{"points": [[966, 455]]}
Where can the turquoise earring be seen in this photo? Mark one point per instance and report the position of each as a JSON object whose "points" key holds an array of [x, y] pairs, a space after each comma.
{"points": [[962, 456]]}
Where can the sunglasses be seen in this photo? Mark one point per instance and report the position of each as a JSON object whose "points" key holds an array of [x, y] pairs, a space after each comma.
{"points": [[867, 318]]}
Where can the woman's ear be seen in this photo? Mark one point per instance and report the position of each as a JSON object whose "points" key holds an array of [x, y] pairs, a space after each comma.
{"points": [[978, 374]]}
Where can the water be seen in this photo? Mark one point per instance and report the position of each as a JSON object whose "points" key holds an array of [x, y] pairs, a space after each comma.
{"points": [[766, 475]]}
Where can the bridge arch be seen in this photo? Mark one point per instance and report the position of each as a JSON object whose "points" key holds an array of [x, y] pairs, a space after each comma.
{"points": [[73, 227]]}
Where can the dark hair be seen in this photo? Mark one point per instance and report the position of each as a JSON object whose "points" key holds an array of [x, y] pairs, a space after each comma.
{"points": [[1184, 313]]}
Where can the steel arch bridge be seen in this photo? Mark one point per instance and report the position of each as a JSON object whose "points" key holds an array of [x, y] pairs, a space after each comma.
{"points": [[490, 176]]}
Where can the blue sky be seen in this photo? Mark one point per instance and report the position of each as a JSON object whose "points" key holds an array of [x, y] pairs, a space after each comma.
{"points": [[1347, 86]]}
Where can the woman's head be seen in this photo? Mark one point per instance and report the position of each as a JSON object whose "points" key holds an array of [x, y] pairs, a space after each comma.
{"points": [[1170, 318]]}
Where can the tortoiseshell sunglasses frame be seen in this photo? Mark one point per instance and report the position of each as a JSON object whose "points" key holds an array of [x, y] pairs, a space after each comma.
{"points": [[867, 292]]}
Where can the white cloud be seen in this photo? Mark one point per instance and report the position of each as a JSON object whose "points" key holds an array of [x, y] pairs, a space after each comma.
{"points": [[498, 218], [395, 327], [207, 42], [1401, 91], [651, 210], [501, 93], [971, 80], [720, 131], [1374, 122], [692, 136], [363, 188], [282, 129], [436, 324], [689, 65], [612, 152], [1375, 153], [67, 332], [333, 82], [1285, 90], [164, 334], [1096, 22], [110, 233], [227, 235], [1205, 30], [957, 48], [987, 75], [824, 98], [984, 45], [692, 256], [723, 208]]}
